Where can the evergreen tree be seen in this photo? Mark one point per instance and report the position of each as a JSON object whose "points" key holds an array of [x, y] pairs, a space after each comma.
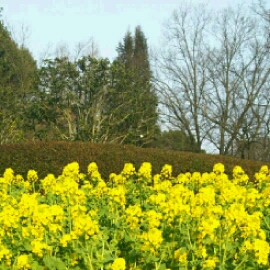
{"points": [[141, 57], [125, 50], [133, 97], [52, 110], [17, 81], [71, 99], [91, 109], [175, 140]]}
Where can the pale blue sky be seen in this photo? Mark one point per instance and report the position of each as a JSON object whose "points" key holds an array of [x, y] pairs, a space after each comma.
{"points": [[54, 22]]}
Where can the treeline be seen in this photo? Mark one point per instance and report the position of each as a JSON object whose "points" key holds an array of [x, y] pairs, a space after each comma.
{"points": [[84, 99], [88, 99], [208, 86], [213, 77], [93, 99]]}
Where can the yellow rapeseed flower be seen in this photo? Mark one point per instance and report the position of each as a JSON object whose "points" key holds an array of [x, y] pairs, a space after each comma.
{"points": [[134, 210], [128, 170], [118, 195], [180, 255], [92, 167], [48, 183], [218, 168], [146, 171], [72, 170], [196, 178], [210, 263], [119, 264], [65, 239], [261, 248], [153, 218], [5, 253], [85, 225], [206, 196], [157, 199], [32, 176], [264, 170], [152, 239], [156, 179], [238, 171], [208, 225], [8, 176], [182, 178], [133, 222], [39, 247], [166, 171], [23, 262], [27, 204]]}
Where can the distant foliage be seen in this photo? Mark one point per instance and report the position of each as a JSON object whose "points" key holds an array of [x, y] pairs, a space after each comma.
{"points": [[17, 82], [175, 140]]}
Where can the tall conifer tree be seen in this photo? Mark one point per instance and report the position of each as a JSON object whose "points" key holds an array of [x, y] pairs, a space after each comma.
{"points": [[137, 115], [126, 50]]}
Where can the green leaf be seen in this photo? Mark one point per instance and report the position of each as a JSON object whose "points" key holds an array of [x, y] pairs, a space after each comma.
{"points": [[162, 267], [54, 263], [79, 251], [27, 245], [107, 256], [60, 265], [36, 266]]}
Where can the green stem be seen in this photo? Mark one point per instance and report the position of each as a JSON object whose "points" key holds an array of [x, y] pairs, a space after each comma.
{"points": [[102, 254], [158, 264], [10, 189], [190, 243], [239, 266], [267, 224], [90, 258]]}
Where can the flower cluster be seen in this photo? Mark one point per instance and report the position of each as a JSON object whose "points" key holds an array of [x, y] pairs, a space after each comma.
{"points": [[135, 220]]}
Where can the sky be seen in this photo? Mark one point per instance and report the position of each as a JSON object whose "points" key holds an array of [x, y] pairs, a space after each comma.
{"points": [[50, 24]]}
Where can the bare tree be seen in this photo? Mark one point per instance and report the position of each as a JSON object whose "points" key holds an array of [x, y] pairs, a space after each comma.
{"points": [[181, 78], [88, 48], [238, 71], [20, 34], [213, 77], [255, 139], [81, 49], [260, 8]]}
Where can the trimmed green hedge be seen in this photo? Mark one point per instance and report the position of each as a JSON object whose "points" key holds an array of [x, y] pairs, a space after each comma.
{"points": [[51, 157]]}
